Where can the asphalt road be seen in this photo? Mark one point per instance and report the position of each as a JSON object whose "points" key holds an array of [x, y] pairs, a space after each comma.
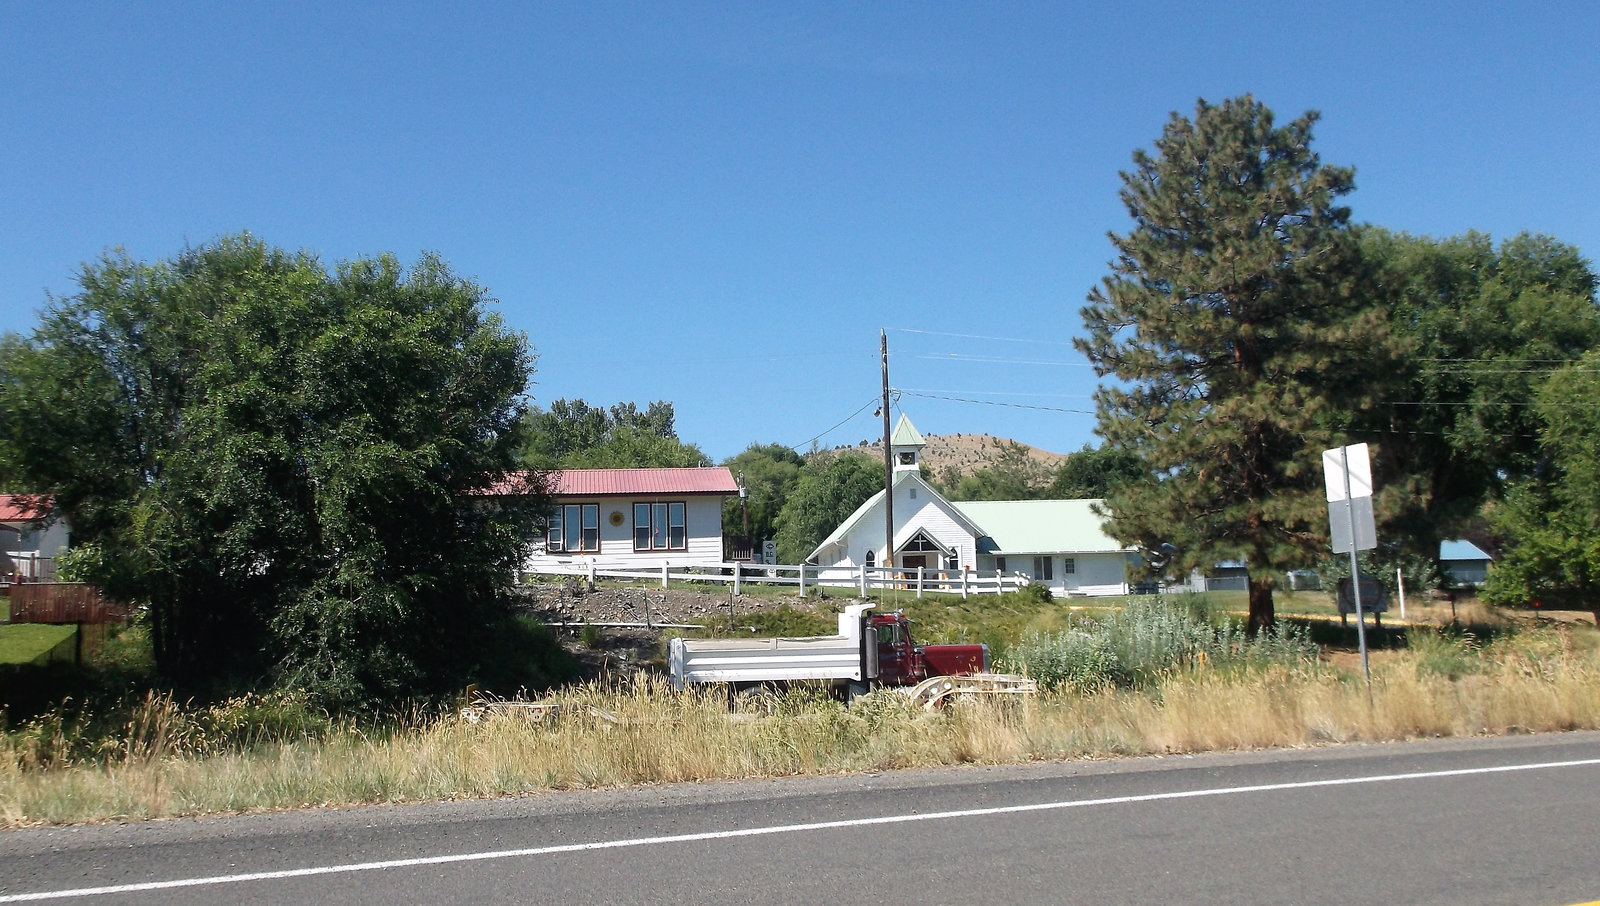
{"points": [[1455, 821]]}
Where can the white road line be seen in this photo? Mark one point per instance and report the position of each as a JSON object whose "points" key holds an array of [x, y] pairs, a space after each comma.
{"points": [[766, 831]]}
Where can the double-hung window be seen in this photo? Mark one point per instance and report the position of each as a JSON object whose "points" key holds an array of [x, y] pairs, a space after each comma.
{"points": [[574, 528], [660, 527]]}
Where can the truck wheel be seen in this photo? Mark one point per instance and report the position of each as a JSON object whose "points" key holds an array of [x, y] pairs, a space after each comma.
{"points": [[756, 700]]}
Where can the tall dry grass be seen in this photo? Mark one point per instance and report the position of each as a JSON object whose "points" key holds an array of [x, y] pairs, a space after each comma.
{"points": [[648, 733]]}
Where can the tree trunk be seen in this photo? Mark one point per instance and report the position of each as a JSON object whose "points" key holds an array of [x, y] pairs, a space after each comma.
{"points": [[1262, 615]]}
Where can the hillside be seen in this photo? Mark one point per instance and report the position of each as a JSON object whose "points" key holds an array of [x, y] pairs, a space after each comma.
{"points": [[966, 453]]}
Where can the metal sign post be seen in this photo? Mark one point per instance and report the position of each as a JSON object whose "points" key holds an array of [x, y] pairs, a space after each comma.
{"points": [[1347, 472], [1355, 569]]}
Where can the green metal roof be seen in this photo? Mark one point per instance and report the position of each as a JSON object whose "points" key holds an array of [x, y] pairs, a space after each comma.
{"points": [[1040, 526], [906, 434]]}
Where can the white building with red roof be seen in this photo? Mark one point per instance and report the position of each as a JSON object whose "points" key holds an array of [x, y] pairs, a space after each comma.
{"points": [[31, 534], [633, 519]]}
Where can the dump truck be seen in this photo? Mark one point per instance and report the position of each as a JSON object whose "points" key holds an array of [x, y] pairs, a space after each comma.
{"points": [[869, 652]]}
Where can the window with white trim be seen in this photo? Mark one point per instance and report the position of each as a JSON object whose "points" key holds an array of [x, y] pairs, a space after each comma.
{"points": [[660, 526], [1042, 568], [1069, 566], [573, 528]]}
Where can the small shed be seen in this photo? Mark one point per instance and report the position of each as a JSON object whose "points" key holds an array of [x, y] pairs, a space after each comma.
{"points": [[1464, 564]]}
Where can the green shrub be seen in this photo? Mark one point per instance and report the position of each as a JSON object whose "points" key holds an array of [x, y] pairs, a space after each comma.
{"points": [[1076, 658], [1147, 638]]}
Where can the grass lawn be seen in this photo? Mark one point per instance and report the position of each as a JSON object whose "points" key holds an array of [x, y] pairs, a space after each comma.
{"points": [[24, 643]]}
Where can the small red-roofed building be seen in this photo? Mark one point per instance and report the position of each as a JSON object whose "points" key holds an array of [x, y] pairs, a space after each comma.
{"points": [[633, 519], [32, 532]]}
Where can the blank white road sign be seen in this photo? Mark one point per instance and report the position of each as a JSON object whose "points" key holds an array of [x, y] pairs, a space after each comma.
{"points": [[1333, 466]]}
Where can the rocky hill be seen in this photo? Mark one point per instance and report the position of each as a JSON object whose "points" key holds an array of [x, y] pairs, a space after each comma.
{"points": [[966, 453]]}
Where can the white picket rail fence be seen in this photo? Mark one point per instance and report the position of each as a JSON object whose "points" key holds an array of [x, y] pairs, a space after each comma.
{"points": [[964, 582]]}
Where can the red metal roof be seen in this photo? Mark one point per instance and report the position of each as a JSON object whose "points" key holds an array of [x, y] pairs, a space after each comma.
{"points": [[30, 507], [616, 482]]}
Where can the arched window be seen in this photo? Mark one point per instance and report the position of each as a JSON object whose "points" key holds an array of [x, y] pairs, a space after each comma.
{"points": [[872, 558]]}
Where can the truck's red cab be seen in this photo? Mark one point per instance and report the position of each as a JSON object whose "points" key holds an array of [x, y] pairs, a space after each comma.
{"points": [[901, 662]]}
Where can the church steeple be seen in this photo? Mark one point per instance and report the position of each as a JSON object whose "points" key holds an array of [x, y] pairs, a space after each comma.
{"points": [[906, 445]]}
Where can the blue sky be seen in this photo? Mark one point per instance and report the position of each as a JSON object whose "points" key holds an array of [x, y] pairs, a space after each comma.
{"points": [[721, 204]]}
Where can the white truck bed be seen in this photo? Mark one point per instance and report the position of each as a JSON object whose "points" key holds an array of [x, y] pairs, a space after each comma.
{"points": [[832, 657]]}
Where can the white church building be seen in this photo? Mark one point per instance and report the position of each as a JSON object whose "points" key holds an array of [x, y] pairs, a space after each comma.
{"points": [[1061, 544]]}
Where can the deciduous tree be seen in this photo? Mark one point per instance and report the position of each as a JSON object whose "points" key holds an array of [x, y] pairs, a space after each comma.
{"points": [[1091, 472], [1551, 520], [1015, 475], [575, 435], [770, 473], [1482, 328], [285, 463], [830, 488]]}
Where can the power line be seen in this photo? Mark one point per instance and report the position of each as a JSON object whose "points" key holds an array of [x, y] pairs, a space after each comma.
{"points": [[811, 440], [996, 360], [1068, 396], [957, 399], [974, 336]]}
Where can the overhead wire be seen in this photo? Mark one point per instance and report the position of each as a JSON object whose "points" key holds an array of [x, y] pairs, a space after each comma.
{"points": [[995, 360], [974, 336], [957, 399], [841, 423]]}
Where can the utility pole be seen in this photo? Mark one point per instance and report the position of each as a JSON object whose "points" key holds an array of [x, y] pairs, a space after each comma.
{"points": [[888, 460], [744, 510]]}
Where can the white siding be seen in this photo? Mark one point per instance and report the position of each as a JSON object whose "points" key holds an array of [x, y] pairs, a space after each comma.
{"points": [[925, 513], [702, 518], [1094, 574], [37, 539]]}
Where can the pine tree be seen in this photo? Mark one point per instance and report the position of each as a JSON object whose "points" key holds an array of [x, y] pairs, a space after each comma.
{"points": [[1233, 327]]}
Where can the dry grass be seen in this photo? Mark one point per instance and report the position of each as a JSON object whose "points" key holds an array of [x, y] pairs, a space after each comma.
{"points": [[1529, 683]]}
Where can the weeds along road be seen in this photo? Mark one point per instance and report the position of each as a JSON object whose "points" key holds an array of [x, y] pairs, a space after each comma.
{"points": [[1451, 821]]}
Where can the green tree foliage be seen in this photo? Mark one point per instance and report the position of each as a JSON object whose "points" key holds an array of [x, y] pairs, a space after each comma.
{"points": [[1091, 472], [770, 473], [1482, 328], [1231, 323], [829, 489], [1015, 475], [1551, 520], [575, 435], [285, 464]]}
